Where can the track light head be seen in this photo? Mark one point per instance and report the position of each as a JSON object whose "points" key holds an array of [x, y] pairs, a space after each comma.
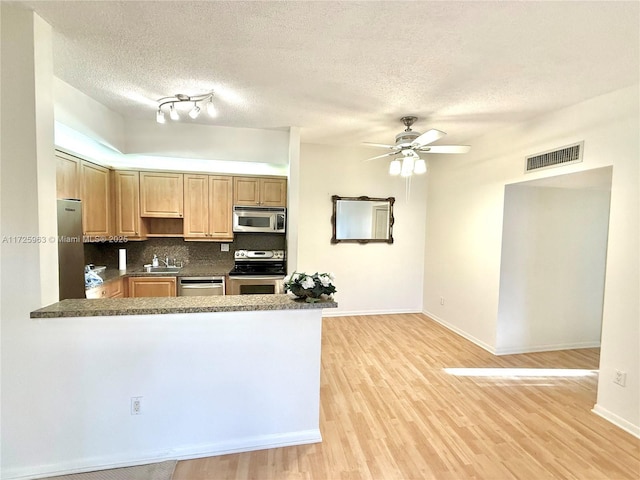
{"points": [[195, 111]]}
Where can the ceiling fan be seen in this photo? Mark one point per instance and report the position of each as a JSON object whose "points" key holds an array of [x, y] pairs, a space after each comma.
{"points": [[409, 144]]}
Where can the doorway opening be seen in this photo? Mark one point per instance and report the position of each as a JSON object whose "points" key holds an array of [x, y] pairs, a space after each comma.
{"points": [[552, 269]]}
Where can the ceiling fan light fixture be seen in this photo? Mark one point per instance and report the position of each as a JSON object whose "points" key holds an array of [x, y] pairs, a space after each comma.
{"points": [[395, 167], [420, 166], [409, 144]]}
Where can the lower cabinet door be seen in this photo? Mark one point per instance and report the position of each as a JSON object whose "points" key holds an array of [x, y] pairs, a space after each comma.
{"points": [[152, 286]]}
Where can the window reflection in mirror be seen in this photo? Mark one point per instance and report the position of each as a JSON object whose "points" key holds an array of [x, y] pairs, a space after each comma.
{"points": [[362, 219]]}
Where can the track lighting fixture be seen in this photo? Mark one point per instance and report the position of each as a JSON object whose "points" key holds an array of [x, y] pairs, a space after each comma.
{"points": [[179, 98]]}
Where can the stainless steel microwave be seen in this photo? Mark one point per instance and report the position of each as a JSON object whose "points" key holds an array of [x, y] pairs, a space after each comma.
{"points": [[259, 219]]}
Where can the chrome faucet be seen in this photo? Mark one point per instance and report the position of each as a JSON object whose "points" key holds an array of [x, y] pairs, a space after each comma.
{"points": [[167, 262]]}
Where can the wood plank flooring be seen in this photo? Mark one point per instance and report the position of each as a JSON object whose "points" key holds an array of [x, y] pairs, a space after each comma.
{"points": [[389, 411]]}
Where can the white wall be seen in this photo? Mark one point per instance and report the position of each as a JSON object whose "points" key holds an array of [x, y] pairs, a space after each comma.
{"points": [[190, 140], [552, 270], [210, 384], [370, 278], [84, 115], [464, 225]]}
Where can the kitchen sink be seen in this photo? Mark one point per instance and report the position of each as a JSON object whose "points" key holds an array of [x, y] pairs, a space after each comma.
{"points": [[162, 269]]}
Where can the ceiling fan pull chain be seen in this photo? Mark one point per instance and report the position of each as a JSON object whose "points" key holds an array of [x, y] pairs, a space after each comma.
{"points": [[408, 189]]}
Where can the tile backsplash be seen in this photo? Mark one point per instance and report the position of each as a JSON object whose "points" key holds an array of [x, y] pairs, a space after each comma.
{"points": [[141, 253]]}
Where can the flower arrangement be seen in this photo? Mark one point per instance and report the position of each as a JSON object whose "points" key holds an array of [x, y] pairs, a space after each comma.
{"points": [[310, 287]]}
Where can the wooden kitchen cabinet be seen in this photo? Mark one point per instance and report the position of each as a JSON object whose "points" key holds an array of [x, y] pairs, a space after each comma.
{"points": [[127, 205], [67, 176], [110, 289], [96, 201], [161, 194], [208, 207], [152, 286], [261, 191]]}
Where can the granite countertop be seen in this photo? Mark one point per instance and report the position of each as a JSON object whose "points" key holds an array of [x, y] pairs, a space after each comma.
{"points": [[167, 305], [209, 269]]}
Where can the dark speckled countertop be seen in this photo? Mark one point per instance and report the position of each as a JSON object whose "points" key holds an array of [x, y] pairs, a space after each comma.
{"points": [[213, 269], [167, 305]]}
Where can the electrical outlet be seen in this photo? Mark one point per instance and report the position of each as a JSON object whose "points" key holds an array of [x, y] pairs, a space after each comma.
{"points": [[441, 300], [136, 405], [620, 378], [224, 247]]}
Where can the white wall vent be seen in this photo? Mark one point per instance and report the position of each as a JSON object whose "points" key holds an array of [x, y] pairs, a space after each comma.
{"points": [[555, 158]]}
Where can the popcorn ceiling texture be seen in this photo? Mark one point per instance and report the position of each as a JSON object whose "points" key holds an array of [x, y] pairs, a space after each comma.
{"points": [[345, 72]]}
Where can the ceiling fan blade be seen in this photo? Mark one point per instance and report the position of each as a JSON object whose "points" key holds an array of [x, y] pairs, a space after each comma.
{"points": [[379, 145], [428, 137], [445, 149], [380, 156]]}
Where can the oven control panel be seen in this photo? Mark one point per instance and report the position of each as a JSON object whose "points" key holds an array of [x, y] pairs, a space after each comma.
{"points": [[257, 255]]}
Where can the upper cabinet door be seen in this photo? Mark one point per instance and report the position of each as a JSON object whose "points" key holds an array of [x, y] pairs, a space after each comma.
{"points": [[161, 194], [207, 207], [246, 191], [196, 206], [67, 176], [127, 205], [220, 208], [96, 200], [260, 191], [273, 192]]}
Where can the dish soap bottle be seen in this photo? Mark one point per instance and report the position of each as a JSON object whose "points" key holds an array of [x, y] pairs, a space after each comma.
{"points": [[155, 262]]}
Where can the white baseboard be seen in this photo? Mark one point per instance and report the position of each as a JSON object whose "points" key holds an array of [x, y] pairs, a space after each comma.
{"points": [[357, 313], [462, 333], [616, 420], [176, 453], [547, 348], [516, 350], [247, 444]]}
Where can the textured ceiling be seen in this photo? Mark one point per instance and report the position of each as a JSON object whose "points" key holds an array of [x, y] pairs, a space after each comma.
{"points": [[345, 72]]}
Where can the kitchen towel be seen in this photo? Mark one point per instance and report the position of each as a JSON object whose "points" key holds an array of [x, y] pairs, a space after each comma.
{"points": [[122, 259]]}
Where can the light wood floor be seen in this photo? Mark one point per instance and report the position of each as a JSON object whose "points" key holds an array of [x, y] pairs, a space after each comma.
{"points": [[390, 411]]}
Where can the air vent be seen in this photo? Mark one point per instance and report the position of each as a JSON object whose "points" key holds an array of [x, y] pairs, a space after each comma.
{"points": [[555, 158]]}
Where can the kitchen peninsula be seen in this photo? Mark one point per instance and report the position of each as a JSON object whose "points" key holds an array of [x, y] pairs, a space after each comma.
{"points": [[212, 375], [175, 305]]}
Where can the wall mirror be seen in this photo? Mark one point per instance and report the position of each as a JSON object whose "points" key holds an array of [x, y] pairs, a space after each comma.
{"points": [[362, 219]]}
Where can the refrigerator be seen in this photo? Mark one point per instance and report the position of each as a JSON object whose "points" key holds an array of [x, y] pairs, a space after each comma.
{"points": [[70, 249]]}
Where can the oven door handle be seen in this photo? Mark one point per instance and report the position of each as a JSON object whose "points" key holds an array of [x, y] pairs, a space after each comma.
{"points": [[201, 285], [258, 277]]}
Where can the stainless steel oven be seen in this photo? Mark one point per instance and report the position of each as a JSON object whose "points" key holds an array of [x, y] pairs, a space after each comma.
{"points": [[260, 284], [257, 272]]}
